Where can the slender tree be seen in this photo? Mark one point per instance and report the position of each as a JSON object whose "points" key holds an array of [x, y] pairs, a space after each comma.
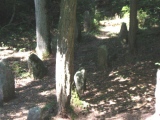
{"points": [[43, 48], [64, 55], [133, 26]]}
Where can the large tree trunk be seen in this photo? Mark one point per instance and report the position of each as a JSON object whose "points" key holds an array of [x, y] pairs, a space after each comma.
{"points": [[43, 48], [133, 26], [64, 55]]}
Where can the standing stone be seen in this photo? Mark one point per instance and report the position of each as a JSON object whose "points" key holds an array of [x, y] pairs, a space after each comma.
{"points": [[1, 96], [157, 94], [36, 67], [78, 34], [35, 113], [80, 81], [102, 57], [7, 84], [54, 35], [87, 20], [123, 34]]}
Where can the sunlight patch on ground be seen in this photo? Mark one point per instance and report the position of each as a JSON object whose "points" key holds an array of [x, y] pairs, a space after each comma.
{"points": [[112, 29], [45, 93], [98, 94], [112, 73], [112, 102], [96, 112], [132, 88], [135, 98], [112, 26], [5, 54], [114, 22], [118, 77], [22, 55], [110, 89], [37, 87], [22, 115], [102, 37], [22, 82]]}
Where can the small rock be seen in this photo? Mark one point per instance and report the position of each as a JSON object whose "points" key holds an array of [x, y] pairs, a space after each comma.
{"points": [[35, 113], [80, 81], [36, 67]]}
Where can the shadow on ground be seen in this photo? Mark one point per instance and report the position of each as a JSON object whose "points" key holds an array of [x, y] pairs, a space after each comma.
{"points": [[128, 85], [30, 92]]}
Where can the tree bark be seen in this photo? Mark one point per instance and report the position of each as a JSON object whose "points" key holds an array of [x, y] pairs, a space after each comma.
{"points": [[64, 55], [133, 26], [43, 48]]}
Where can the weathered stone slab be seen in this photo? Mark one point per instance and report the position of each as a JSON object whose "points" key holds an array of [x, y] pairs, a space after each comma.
{"points": [[1, 96], [78, 34], [36, 67], [7, 83], [157, 94], [123, 34], [102, 57], [80, 81], [87, 20], [35, 113]]}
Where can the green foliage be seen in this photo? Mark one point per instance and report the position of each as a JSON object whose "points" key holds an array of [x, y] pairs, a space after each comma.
{"points": [[157, 63], [18, 37], [19, 69], [150, 10], [118, 5], [49, 106], [76, 102], [24, 12], [125, 11], [72, 113], [75, 99], [98, 16], [2, 44], [82, 6], [142, 15]]}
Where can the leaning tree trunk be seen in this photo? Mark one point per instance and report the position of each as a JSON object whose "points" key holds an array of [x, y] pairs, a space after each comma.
{"points": [[43, 48], [133, 26], [64, 55]]}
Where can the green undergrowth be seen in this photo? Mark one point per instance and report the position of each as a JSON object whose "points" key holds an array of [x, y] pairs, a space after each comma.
{"points": [[49, 106], [20, 69], [77, 102]]}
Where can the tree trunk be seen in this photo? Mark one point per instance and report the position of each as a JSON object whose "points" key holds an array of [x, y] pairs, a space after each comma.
{"points": [[64, 55], [133, 26], [43, 48]]}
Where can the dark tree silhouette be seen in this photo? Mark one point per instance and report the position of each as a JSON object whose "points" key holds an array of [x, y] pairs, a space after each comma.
{"points": [[133, 26]]}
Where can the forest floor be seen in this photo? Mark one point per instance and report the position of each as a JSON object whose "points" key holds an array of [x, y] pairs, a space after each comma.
{"points": [[123, 91]]}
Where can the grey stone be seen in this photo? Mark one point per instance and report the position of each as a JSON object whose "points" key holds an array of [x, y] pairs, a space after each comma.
{"points": [[35, 113], [123, 35], [80, 81], [102, 57], [54, 36], [36, 67], [157, 95], [87, 21], [78, 35], [7, 83], [1, 96]]}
